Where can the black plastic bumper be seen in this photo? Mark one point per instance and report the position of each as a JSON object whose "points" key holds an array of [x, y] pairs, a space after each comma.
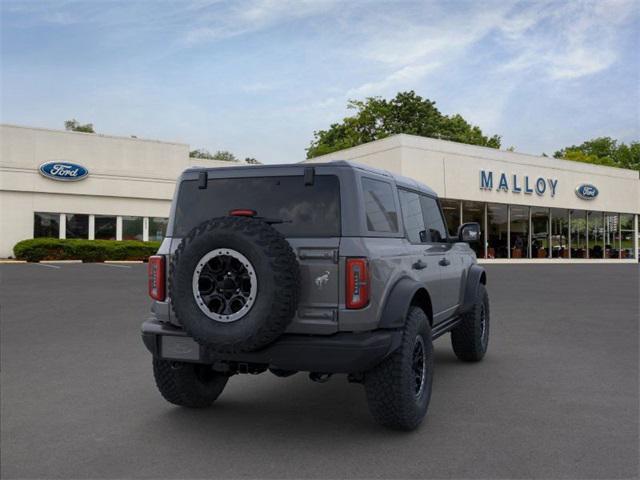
{"points": [[339, 353]]}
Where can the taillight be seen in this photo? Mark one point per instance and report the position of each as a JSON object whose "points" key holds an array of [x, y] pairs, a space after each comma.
{"points": [[156, 277], [357, 283]]}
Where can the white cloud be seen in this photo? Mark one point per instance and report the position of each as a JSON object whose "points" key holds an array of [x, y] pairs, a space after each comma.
{"points": [[564, 41], [405, 77]]}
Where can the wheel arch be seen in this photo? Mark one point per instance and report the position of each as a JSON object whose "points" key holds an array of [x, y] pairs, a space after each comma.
{"points": [[403, 295], [476, 276]]}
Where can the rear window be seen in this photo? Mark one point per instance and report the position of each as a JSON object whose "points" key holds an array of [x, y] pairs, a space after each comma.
{"points": [[380, 207], [306, 210]]}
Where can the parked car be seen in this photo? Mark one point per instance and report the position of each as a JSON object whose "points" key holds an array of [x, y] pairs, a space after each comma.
{"points": [[324, 268]]}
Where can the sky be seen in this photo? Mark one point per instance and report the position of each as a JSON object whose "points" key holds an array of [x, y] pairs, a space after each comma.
{"points": [[258, 77]]}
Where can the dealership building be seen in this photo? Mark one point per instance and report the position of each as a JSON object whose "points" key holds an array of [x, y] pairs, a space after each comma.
{"points": [[531, 209]]}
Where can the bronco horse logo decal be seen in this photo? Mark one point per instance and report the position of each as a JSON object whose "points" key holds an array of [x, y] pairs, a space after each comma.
{"points": [[322, 280]]}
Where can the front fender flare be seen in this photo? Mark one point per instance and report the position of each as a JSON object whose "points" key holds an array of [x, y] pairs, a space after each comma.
{"points": [[398, 301], [475, 277]]}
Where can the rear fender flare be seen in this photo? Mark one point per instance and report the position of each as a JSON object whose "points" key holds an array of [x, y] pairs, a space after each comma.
{"points": [[402, 295]]}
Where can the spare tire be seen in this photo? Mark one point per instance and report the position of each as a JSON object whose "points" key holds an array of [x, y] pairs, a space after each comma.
{"points": [[234, 284]]}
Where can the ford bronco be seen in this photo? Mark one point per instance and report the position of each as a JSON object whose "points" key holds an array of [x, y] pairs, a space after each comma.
{"points": [[325, 268]]}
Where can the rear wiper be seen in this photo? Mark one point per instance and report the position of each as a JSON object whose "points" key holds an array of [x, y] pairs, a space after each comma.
{"points": [[272, 221]]}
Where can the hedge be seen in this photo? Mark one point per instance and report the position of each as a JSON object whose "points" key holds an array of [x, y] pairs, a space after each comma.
{"points": [[37, 249]]}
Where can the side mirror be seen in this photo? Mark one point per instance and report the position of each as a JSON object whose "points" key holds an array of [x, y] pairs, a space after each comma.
{"points": [[469, 232]]}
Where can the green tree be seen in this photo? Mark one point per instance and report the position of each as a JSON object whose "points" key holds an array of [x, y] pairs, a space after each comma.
{"points": [[222, 155], [604, 151], [377, 118], [74, 126]]}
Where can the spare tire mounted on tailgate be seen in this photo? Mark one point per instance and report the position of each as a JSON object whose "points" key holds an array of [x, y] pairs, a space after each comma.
{"points": [[234, 284]]}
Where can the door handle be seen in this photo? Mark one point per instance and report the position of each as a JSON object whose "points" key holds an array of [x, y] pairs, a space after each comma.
{"points": [[419, 265], [444, 262]]}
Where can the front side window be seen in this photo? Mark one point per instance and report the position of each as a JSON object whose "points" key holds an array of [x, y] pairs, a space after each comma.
{"points": [[380, 207], [412, 216], [436, 231]]}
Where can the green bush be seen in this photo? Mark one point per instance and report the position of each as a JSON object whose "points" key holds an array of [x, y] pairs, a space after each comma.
{"points": [[37, 249]]}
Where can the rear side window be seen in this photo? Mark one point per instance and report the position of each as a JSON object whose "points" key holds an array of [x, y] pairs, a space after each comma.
{"points": [[380, 207], [412, 216], [305, 210], [436, 231]]}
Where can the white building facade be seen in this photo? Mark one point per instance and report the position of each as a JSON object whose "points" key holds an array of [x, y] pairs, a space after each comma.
{"points": [[126, 193], [531, 209]]}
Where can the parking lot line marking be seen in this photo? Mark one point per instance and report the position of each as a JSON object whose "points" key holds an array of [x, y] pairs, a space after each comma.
{"points": [[47, 265], [113, 265]]}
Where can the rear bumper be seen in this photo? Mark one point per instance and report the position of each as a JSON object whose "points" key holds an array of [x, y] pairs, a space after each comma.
{"points": [[339, 353]]}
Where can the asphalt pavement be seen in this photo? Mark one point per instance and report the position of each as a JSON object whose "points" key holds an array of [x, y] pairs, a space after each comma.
{"points": [[556, 396]]}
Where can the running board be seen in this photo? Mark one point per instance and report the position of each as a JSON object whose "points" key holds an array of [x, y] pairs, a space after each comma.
{"points": [[443, 327]]}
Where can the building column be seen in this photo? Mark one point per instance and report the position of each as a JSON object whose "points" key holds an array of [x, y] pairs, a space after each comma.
{"points": [[92, 227], [63, 225], [635, 237], [509, 231], [586, 234], [530, 235], [569, 233], [118, 227], [486, 230], [145, 229]]}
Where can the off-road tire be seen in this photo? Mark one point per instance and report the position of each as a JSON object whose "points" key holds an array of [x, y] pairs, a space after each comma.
{"points": [[277, 273], [391, 385], [188, 384], [469, 339]]}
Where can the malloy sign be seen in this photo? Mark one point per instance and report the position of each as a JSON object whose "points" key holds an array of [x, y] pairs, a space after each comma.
{"points": [[518, 183]]}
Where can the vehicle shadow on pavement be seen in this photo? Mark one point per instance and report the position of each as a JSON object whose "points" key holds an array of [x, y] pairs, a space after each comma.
{"points": [[271, 407]]}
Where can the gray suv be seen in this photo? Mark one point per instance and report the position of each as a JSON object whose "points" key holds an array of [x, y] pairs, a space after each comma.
{"points": [[323, 268]]}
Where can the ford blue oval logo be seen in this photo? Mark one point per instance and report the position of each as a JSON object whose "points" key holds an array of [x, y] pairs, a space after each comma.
{"points": [[586, 191], [64, 171]]}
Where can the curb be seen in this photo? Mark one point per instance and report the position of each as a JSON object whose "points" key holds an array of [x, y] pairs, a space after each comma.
{"points": [[60, 261], [9, 261], [123, 261]]}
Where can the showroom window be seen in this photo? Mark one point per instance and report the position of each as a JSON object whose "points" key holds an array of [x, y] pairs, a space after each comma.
{"points": [[157, 228], [451, 211], [497, 230], [595, 237], [46, 225], [578, 234], [539, 232], [611, 235], [474, 212], [105, 227], [519, 231], [77, 226], [626, 236], [559, 233], [132, 228], [380, 206]]}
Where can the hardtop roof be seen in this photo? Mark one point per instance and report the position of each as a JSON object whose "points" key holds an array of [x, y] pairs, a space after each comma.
{"points": [[400, 180]]}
